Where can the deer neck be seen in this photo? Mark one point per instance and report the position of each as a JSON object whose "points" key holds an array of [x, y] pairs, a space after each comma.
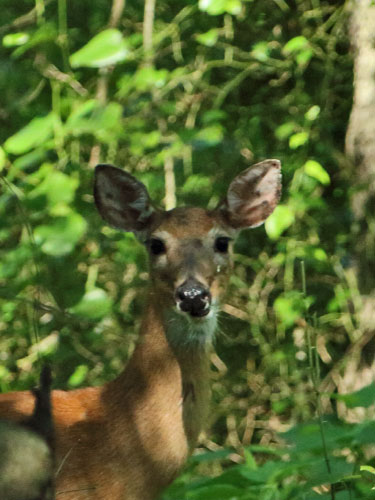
{"points": [[167, 377]]}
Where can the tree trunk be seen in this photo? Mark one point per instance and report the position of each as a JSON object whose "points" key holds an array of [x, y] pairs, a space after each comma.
{"points": [[360, 140]]}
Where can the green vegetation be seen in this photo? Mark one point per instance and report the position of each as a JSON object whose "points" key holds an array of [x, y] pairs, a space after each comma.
{"points": [[185, 101]]}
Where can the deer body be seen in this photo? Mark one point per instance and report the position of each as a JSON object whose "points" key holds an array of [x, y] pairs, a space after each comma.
{"points": [[128, 439]]}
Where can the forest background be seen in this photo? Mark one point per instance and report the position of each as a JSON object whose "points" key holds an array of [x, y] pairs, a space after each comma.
{"points": [[184, 95]]}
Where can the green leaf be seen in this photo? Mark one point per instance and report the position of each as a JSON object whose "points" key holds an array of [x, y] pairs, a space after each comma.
{"points": [[320, 254], [211, 456], [197, 183], [284, 130], [106, 48], [217, 7], [60, 237], [95, 304], [213, 115], [297, 140], [312, 113], [279, 221], [57, 186], [209, 38], [15, 39], [215, 492], [209, 136], [261, 51], [289, 306], [315, 170], [296, 44], [90, 117], [304, 56], [78, 376], [367, 468], [364, 398], [149, 78], [249, 459], [32, 135], [2, 158]]}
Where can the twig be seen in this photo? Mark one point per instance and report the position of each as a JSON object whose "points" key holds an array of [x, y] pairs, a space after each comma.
{"points": [[148, 26], [314, 373], [170, 184], [102, 85]]}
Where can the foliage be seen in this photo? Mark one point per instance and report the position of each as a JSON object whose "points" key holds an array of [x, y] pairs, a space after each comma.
{"points": [[224, 83], [307, 468]]}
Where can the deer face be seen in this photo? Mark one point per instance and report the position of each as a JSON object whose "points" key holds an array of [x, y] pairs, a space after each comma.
{"points": [[189, 247], [189, 254]]}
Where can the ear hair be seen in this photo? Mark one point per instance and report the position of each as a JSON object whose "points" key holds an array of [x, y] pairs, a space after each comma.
{"points": [[253, 195], [121, 199]]}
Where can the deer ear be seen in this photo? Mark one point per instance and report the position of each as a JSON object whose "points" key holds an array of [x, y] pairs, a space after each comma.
{"points": [[253, 195], [121, 199]]}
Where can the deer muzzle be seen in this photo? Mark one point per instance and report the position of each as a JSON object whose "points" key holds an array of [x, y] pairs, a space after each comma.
{"points": [[193, 298]]}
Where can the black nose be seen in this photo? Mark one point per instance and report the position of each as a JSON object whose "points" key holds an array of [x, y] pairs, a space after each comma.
{"points": [[194, 298]]}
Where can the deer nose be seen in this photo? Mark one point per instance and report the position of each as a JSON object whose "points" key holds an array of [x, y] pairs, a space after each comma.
{"points": [[194, 298]]}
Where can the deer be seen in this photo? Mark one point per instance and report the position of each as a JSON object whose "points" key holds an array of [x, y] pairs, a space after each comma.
{"points": [[130, 438]]}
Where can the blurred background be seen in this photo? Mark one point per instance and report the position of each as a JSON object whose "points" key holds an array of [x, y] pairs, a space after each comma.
{"points": [[184, 95]]}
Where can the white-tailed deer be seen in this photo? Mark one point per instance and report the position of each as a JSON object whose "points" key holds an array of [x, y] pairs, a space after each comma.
{"points": [[128, 439]]}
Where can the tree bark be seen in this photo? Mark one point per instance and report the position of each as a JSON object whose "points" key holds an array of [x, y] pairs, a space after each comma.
{"points": [[360, 140]]}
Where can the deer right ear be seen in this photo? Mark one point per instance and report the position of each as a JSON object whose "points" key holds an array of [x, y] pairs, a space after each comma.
{"points": [[253, 195], [121, 199]]}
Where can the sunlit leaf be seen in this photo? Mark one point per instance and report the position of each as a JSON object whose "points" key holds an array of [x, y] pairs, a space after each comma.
{"points": [[320, 254], [107, 48], [209, 38], [15, 39], [296, 44], [78, 376], [217, 7], [312, 113], [91, 117], [33, 134], [304, 56], [261, 51], [2, 158], [209, 136], [95, 304], [285, 130], [367, 468], [289, 307], [315, 170], [213, 115], [279, 221], [61, 236], [146, 78], [58, 187], [297, 140]]}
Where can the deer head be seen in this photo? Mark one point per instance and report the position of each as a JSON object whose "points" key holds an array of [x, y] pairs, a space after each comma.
{"points": [[189, 247]]}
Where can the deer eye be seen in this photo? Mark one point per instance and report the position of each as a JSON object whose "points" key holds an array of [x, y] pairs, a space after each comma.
{"points": [[156, 246], [222, 244]]}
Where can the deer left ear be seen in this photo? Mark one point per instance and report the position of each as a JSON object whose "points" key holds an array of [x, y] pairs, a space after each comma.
{"points": [[253, 195]]}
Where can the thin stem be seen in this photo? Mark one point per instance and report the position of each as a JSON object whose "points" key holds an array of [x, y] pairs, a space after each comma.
{"points": [[63, 33], [314, 370], [102, 85], [170, 184], [148, 26], [118, 7]]}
